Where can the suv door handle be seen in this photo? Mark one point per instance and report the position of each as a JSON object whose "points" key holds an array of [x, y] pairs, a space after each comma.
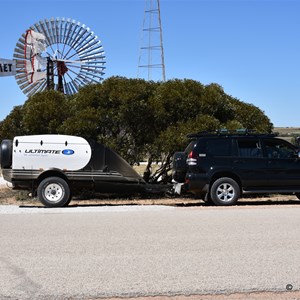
{"points": [[238, 161]]}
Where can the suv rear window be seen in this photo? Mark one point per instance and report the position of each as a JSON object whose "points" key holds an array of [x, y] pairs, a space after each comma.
{"points": [[190, 147], [218, 147]]}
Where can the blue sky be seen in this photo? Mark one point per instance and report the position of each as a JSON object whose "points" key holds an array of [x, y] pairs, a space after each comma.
{"points": [[249, 47]]}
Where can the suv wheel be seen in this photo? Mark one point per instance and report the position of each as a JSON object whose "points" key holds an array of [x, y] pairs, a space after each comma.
{"points": [[225, 191]]}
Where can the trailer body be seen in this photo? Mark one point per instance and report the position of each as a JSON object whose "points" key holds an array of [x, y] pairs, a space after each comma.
{"points": [[55, 167]]}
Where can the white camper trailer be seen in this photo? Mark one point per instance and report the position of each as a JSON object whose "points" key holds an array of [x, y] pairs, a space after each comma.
{"points": [[57, 166]]}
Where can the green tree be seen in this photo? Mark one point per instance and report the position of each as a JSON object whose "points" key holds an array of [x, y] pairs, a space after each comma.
{"points": [[12, 125], [251, 117], [115, 113], [44, 112], [176, 101], [137, 118], [217, 103]]}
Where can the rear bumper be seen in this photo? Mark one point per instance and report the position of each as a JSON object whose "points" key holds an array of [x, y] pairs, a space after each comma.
{"points": [[196, 184]]}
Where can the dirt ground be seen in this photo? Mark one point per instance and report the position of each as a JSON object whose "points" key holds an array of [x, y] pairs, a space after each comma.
{"points": [[292, 295], [11, 197]]}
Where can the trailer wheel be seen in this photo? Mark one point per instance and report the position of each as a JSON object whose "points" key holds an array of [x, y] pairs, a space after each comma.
{"points": [[6, 154], [54, 192]]}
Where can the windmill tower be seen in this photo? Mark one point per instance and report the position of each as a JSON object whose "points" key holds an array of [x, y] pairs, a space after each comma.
{"points": [[151, 63]]}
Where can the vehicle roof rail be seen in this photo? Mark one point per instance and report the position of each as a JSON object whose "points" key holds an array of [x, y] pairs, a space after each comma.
{"points": [[225, 132]]}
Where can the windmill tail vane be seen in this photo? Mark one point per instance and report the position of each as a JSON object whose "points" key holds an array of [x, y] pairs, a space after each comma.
{"points": [[34, 62]]}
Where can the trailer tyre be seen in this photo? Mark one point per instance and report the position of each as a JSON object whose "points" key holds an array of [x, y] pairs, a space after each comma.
{"points": [[54, 192], [6, 154]]}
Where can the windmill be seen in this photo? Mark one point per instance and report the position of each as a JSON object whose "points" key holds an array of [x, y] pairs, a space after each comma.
{"points": [[60, 54]]}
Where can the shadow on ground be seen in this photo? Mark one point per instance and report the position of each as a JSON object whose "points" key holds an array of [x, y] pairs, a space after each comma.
{"points": [[169, 202]]}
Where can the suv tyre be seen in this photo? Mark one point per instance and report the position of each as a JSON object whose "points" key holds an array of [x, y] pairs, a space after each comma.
{"points": [[225, 191]]}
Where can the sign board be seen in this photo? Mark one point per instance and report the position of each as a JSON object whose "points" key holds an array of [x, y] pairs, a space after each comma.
{"points": [[7, 67]]}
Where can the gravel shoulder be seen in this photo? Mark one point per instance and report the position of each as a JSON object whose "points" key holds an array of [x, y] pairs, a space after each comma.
{"points": [[22, 198], [291, 295]]}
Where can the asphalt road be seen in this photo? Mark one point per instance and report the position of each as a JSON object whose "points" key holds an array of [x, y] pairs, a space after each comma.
{"points": [[132, 251]]}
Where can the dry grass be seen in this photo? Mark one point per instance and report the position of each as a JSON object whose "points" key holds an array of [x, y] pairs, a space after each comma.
{"points": [[10, 197], [287, 130]]}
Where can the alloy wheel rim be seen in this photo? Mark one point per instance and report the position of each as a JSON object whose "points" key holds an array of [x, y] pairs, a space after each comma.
{"points": [[225, 192]]}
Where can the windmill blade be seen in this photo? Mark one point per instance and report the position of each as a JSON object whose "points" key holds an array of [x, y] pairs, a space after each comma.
{"points": [[91, 70]]}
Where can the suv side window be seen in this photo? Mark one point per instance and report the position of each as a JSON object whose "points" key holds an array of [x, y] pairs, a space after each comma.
{"points": [[249, 148], [218, 147], [279, 149]]}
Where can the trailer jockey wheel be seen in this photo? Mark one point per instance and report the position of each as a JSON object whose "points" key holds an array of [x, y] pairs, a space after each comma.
{"points": [[54, 192]]}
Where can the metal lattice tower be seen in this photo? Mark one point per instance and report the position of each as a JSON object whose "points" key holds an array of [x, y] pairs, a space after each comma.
{"points": [[151, 51]]}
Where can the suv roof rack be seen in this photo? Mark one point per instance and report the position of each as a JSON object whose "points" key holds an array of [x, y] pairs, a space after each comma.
{"points": [[226, 132]]}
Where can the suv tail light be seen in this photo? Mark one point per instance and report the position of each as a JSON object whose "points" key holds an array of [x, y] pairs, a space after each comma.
{"points": [[192, 159]]}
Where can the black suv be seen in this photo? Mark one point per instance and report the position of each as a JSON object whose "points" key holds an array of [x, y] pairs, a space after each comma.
{"points": [[221, 167]]}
